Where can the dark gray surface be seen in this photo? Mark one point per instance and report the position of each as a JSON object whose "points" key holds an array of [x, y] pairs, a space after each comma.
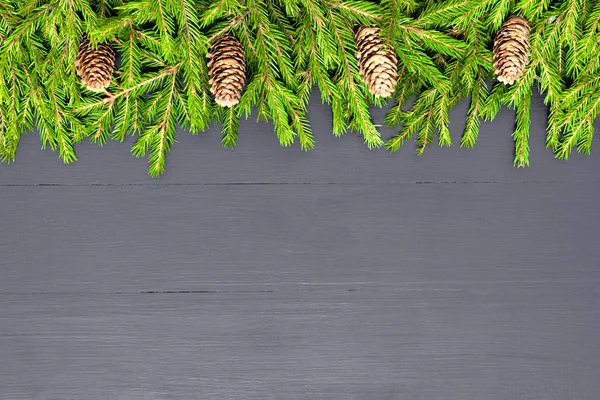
{"points": [[269, 273]]}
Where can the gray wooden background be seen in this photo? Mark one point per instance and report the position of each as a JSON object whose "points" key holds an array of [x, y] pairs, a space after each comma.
{"points": [[271, 273]]}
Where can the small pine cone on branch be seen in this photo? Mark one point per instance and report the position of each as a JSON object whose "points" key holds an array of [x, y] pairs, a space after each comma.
{"points": [[377, 62], [95, 66], [227, 70], [511, 50]]}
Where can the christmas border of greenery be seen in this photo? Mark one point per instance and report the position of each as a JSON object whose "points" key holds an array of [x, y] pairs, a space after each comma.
{"points": [[443, 49]]}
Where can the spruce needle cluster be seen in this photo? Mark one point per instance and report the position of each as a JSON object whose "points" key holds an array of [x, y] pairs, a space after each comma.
{"points": [[101, 70]]}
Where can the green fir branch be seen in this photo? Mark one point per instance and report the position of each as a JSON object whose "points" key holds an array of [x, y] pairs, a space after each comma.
{"points": [[291, 47], [521, 133]]}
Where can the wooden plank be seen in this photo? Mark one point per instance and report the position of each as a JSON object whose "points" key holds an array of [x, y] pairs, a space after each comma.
{"points": [[134, 238], [469, 340]]}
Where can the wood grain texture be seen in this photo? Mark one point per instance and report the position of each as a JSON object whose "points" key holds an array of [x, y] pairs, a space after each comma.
{"points": [[268, 273]]}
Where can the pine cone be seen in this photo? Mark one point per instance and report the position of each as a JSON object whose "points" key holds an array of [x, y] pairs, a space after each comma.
{"points": [[95, 66], [511, 50], [227, 70], [376, 61]]}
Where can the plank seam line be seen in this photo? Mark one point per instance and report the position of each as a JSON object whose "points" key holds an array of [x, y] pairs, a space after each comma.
{"points": [[136, 293], [431, 182]]}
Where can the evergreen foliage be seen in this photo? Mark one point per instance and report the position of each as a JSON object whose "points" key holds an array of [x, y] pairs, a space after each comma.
{"points": [[291, 46]]}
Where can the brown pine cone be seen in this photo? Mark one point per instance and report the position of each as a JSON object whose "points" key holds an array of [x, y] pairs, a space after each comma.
{"points": [[377, 62], [95, 66], [511, 50], [227, 70]]}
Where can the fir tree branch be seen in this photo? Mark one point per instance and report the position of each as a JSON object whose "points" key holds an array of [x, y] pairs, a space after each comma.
{"points": [[229, 128], [361, 11], [474, 114], [127, 120], [436, 41], [291, 46], [498, 13], [408, 85], [414, 120], [147, 84], [438, 13], [533, 9], [521, 133], [158, 136]]}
